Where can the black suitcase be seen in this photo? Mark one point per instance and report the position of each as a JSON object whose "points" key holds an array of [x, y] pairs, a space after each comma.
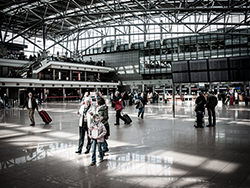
{"points": [[127, 119], [45, 116], [199, 122]]}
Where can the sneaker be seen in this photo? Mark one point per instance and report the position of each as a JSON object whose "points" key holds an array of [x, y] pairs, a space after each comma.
{"points": [[32, 124], [92, 164], [79, 152], [116, 124]]}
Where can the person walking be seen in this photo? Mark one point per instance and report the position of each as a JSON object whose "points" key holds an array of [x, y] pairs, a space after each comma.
{"points": [[118, 107], [31, 105], [102, 111], [97, 131], [142, 101], [200, 110], [212, 102], [83, 126], [6, 101]]}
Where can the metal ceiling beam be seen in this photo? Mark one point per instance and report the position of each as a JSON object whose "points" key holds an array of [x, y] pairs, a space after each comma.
{"points": [[59, 44], [93, 44], [154, 10], [26, 38], [25, 31], [177, 33]]}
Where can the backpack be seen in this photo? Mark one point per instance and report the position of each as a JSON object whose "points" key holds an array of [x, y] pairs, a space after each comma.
{"points": [[139, 104]]}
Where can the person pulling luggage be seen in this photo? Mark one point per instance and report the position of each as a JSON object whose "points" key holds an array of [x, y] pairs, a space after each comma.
{"points": [[200, 110], [31, 105]]}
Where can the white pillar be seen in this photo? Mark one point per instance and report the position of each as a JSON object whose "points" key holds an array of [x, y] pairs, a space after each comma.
{"points": [[64, 94]]}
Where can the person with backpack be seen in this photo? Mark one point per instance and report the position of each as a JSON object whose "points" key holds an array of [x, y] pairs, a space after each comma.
{"points": [[140, 104], [212, 102]]}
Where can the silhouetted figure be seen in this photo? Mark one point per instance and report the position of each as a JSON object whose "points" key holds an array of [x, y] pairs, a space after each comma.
{"points": [[211, 104]]}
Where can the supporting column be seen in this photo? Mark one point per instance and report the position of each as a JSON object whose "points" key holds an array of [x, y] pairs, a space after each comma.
{"points": [[180, 86], [145, 38], [7, 92], [189, 89], [129, 38], [54, 74], [115, 45], [64, 94], [85, 76], [173, 99], [70, 75], [80, 92], [143, 87], [102, 42], [218, 88]]}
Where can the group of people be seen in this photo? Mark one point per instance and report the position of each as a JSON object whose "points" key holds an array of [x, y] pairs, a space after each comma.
{"points": [[210, 102], [234, 97], [93, 122]]}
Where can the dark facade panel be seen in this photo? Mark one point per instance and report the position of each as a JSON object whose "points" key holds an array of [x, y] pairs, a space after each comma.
{"points": [[199, 77], [240, 75], [179, 66], [218, 63], [240, 62], [218, 76], [181, 77], [119, 59], [198, 65]]}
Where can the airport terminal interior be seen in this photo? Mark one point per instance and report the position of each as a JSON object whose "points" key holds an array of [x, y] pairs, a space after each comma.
{"points": [[169, 81]]}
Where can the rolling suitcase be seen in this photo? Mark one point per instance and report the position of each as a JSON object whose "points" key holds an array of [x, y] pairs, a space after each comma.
{"points": [[200, 121], [127, 119], [45, 116]]}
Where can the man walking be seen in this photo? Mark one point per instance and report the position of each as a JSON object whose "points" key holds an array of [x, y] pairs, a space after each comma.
{"points": [[31, 105], [211, 104]]}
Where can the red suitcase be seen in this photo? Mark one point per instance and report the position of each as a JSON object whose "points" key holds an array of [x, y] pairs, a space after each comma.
{"points": [[45, 116]]}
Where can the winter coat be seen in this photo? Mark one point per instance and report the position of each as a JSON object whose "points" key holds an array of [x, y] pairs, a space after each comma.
{"points": [[101, 131], [200, 104], [211, 101], [118, 103], [86, 114]]}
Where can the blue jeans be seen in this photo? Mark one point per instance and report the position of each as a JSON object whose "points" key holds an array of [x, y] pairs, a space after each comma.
{"points": [[105, 145], [99, 144], [141, 111]]}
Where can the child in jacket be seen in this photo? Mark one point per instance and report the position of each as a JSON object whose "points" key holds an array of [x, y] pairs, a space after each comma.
{"points": [[97, 131]]}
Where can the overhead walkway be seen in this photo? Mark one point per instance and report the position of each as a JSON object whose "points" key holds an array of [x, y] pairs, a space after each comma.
{"points": [[71, 66], [13, 82]]}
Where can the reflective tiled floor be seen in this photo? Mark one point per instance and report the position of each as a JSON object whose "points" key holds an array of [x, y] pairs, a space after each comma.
{"points": [[159, 151]]}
